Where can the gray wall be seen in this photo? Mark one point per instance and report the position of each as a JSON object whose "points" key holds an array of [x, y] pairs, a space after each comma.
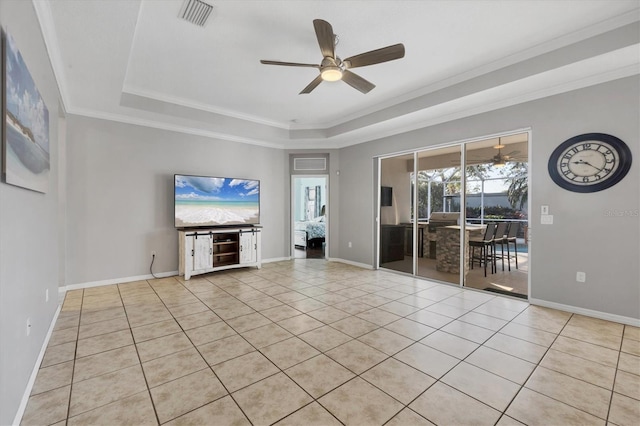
{"points": [[582, 238], [29, 232], [120, 195]]}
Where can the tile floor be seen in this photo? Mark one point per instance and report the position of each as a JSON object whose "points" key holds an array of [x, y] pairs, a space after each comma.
{"points": [[309, 342]]}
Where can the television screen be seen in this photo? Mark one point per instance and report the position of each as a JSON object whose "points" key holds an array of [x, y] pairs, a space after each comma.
{"points": [[213, 201], [386, 196]]}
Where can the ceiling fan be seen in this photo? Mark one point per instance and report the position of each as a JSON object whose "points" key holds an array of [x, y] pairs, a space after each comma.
{"points": [[332, 68], [500, 159]]}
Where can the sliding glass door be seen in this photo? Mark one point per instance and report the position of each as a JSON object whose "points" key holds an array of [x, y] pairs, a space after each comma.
{"points": [[424, 230]]}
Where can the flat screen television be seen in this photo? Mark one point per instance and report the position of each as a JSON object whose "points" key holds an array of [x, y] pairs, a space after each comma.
{"points": [[386, 196], [201, 201]]}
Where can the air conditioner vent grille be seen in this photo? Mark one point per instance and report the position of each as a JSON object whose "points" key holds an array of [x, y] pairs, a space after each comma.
{"points": [[195, 11], [310, 164]]}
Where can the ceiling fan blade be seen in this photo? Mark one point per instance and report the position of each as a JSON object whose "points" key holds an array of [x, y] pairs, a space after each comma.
{"points": [[512, 153], [377, 56], [288, 64], [312, 85], [326, 38], [357, 82]]}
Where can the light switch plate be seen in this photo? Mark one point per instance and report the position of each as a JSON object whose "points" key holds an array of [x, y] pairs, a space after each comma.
{"points": [[546, 219], [544, 209]]}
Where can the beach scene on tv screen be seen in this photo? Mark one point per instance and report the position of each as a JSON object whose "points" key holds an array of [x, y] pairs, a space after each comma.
{"points": [[209, 201]]}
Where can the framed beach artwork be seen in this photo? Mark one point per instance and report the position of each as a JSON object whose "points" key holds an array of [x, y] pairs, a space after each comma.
{"points": [[25, 138]]}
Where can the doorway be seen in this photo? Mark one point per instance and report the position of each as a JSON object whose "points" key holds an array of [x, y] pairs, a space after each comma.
{"points": [[444, 199], [309, 213]]}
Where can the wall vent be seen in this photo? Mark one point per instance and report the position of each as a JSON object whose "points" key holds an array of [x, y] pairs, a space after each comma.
{"points": [[195, 11], [310, 164]]}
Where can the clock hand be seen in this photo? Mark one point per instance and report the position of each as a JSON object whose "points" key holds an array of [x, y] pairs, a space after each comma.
{"points": [[581, 161]]}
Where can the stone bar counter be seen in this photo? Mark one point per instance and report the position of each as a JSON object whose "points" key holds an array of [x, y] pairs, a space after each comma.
{"points": [[448, 243]]}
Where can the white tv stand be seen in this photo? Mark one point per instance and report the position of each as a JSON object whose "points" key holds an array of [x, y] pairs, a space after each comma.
{"points": [[215, 249]]}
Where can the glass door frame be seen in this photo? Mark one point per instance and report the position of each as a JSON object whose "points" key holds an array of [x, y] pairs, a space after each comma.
{"points": [[463, 200]]}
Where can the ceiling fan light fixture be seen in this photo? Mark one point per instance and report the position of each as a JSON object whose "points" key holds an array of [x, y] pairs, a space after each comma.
{"points": [[331, 73], [499, 164]]}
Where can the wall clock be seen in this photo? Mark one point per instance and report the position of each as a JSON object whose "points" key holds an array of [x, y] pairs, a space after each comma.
{"points": [[590, 162]]}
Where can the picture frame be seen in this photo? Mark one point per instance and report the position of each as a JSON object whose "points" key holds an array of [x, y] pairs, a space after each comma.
{"points": [[25, 126]]}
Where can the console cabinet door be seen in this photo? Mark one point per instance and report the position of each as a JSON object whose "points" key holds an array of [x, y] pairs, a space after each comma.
{"points": [[248, 247], [202, 252]]}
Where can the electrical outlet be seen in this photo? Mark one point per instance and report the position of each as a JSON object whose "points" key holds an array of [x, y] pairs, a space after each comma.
{"points": [[28, 326], [581, 277], [350, 245]]}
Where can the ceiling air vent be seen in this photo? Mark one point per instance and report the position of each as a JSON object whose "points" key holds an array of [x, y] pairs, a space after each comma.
{"points": [[309, 164], [195, 11]]}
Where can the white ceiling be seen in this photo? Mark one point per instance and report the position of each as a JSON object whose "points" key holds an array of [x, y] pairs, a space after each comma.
{"points": [[135, 61]]}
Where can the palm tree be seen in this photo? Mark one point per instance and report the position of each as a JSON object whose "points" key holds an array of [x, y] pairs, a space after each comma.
{"points": [[518, 191]]}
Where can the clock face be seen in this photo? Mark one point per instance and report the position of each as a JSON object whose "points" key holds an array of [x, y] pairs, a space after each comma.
{"points": [[590, 162]]}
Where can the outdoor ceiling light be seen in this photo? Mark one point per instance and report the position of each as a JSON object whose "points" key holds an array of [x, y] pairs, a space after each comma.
{"points": [[331, 73]]}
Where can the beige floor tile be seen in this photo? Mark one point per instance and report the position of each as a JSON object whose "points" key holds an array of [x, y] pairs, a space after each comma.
{"points": [[373, 300], [354, 327], [198, 320], [631, 332], [579, 368], [596, 324], [328, 314], [430, 319], [397, 379], [443, 405], [408, 417], [67, 320], [266, 335], [378, 316], [447, 310], [508, 421], [576, 393], [586, 350], [300, 324], [629, 363], [324, 338], [631, 346], [532, 335], [225, 349], [170, 367], [104, 342], [516, 347], [289, 352], [133, 410], [504, 365], [47, 407], [58, 354], [280, 313], [627, 384], [244, 370], [290, 296], [319, 375], [484, 321], [103, 327], [263, 303], [308, 305], [310, 415], [352, 307], [624, 411], [468, 331], [53, 377], [450, 344], [497, 312], [104, 389], [542, 318], [599, 338], [410, 329], [105, 362], [162, 346], [188, 309], [426, 359], [248, 322], [533, 408], [360, 403], [356, 356], [233, 311], [185, 394], [399, 308], [155, 330], [386, 341], [67, 335], [223, 411], [148, 315], [209, 333], [482, 385], [271, 399]]}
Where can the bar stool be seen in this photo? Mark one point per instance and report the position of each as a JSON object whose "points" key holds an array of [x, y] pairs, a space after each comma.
{"points": [[511, 238], [485, 244]]}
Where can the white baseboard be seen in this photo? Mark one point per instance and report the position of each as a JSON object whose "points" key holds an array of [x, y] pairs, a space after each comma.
{"points": [[36, 368], [587, 312], [276, 259], [115, 281], [349, 262]]}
